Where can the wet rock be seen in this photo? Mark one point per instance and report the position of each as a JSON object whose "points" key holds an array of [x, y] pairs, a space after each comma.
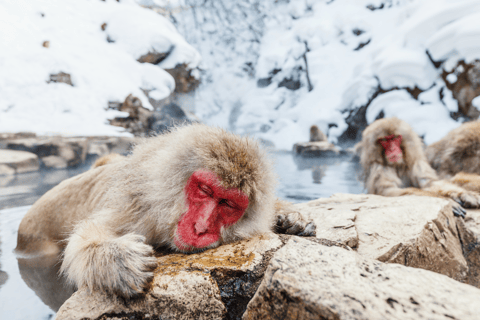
{"points": [[306, 280], [72, 150], [12, 162], [55, 162], [418, 232], [464, 82], [61, 77], [215, 284], [6, 170], [62, 152], [316, 149]]}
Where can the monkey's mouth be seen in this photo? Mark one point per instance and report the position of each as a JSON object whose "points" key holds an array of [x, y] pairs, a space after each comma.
{"points": [[186, 239], [394, 157]]}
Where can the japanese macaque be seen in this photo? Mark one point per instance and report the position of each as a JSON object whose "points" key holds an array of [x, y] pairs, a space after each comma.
{"points": [[457, 156], [458, 151], [316, 134], [191, 189], [394, 164]]}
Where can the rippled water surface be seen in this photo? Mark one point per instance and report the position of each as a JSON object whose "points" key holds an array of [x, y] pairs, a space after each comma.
{"points": [[28, 287]]}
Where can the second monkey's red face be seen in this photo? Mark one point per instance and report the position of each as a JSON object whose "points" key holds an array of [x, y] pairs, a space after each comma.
{"points": [[391, 146], [211, 207]]}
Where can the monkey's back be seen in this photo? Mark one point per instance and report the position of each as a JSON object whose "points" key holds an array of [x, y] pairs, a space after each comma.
{"points": [[52, 217], [458, 151]]}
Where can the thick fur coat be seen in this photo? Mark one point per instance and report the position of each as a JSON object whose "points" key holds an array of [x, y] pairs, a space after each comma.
{"points": [[413, 175], [111, 217], [458, 151]]}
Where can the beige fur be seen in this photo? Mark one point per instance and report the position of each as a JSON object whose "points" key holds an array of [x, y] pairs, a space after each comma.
{"points": [[458, 151], [109, 158], [316, 134], [111, 216], [413, 176]]}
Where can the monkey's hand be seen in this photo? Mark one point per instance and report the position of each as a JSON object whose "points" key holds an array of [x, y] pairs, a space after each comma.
{"points": [[294, 223], [457, 209], [465, 198], [98, 260]]}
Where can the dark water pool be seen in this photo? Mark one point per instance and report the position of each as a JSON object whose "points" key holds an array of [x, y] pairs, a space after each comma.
{"points": [[30, 289]]}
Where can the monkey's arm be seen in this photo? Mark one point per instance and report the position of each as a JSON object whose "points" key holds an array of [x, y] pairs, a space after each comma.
{"points": [[468, 181], [290, 221], [423, 176], [384, 181], [99, 259]]}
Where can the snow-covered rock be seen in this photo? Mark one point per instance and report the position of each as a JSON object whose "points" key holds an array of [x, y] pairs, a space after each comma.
{"points": [[336, 57], [97, 43]]}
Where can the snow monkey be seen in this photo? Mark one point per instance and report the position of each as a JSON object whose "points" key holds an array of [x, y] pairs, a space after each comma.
{"points": [[457, 156], [316, 134], [394, 164], [191, 189]]}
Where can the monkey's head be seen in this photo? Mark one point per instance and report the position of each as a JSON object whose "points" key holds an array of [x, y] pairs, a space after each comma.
{"points": [[208, 187], [211, 208], [389, 141]]}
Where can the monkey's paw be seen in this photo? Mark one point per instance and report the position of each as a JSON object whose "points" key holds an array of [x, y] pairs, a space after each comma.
{"points": [[467, 199], [295, 223], [122, 266], [458, 211]]}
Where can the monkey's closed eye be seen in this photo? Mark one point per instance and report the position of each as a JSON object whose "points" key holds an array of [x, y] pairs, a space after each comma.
{"points": [[206, 189], [228, 203]]}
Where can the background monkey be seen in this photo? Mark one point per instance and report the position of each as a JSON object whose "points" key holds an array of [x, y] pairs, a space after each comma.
{"points": [[394, 164], [457, 156], [191, 189], [316, 134]]}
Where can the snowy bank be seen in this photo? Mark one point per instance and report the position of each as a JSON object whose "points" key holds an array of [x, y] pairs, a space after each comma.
{"points": [[274, 68], [97, 43]]}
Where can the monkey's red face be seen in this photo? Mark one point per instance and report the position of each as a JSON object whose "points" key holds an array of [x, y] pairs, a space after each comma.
{"points": [[391, 146], [211, 207]]}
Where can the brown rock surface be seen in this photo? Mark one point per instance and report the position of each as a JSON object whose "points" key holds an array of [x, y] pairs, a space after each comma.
{"points": [[469, 230], [214, 284], [414, 231], [12, 161], [306, 280]]}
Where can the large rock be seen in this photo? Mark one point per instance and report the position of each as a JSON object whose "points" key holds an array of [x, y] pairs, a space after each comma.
{"points": [[309, 281], [414, 231], [469, 231], [12, 162], [215, 284]]}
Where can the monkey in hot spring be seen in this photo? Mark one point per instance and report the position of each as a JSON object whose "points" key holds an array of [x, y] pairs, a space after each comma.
{"points": [[191, 189]]}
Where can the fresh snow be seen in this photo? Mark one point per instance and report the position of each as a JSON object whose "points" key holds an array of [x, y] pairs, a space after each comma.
{"points": [[249, 48], [101, 71], [352, 51]]}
